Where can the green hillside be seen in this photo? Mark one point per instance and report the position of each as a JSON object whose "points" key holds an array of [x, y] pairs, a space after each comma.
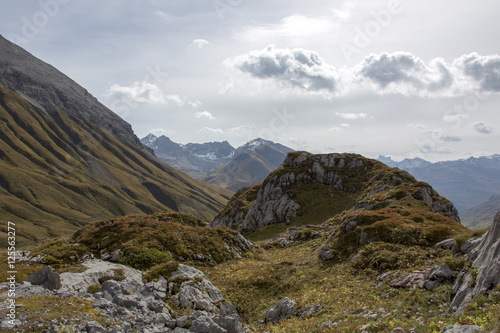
{"points": [[59, 172]]}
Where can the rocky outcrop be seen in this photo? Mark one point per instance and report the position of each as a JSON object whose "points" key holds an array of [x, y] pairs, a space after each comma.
{"points": [[364, 181], [485, 272], [136, 306]]}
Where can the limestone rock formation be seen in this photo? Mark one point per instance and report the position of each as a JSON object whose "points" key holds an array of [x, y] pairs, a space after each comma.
{"points": [[485, 272], [136, 306]]}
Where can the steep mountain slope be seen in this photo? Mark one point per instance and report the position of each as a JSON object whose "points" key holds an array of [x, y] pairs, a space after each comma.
{"points": [[251, 164], [193, 159], [342, 189], [467, 182], [481, 216], [50, 90], [66, 160]]}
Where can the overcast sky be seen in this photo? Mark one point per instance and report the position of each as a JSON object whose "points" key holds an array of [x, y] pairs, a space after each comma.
{"points": [[392, 77]]}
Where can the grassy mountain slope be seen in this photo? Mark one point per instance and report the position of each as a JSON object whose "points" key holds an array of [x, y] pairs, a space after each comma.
{"points": [[481, 216], [60, 171]]}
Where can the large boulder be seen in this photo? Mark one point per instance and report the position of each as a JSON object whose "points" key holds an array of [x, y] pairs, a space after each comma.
{"points": [[45, 277], [485, 271]]}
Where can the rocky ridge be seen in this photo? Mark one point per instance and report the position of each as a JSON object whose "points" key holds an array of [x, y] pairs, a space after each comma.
{"points": [[368, 181]]}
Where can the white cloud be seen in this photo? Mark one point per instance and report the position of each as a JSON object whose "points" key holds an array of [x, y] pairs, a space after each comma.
{"points": [[484, 70], [161, 131], [352, 116], [204, 114], [402, 72], [141, 92], [482, 128], [297, 67], [211, 130], [339, 128], [293, 26], [242, 130], [163, 15], [199, 43]]}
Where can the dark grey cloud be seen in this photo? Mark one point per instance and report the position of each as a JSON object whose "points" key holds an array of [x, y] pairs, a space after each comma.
{"points": [[295, 67], [483, 69], [482, 128]]}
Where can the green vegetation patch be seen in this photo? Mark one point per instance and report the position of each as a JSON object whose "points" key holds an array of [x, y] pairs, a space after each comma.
{"points": [[404, 226], [320, 202], [146, 241]]}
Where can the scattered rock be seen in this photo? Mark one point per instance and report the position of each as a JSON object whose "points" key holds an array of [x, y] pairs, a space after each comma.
{"points": [[284, 309], [470, 244], [311, 311], [447, 244], [407, 280], [462, 329]]}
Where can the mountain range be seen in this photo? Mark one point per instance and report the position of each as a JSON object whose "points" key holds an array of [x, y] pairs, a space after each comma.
{"points": [[66, 159], [466, 182], [219, 163]]}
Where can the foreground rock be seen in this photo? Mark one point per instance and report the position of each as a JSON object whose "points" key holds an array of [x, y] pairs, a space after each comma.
{"points": [[485, 272], [119, 293], [285, 309]]}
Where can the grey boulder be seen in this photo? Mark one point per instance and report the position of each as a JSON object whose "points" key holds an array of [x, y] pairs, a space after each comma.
{"points": [[285, 309], [45, 277]]}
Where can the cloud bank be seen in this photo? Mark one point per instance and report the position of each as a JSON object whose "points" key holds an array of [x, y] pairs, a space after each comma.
{"points": [[385, 73]]}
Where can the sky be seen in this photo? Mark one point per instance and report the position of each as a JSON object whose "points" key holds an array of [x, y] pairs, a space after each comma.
{"points": [[399, 78]]}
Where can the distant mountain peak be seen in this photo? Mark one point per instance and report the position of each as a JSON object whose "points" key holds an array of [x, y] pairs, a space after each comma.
{"points": [[150, 138]]}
